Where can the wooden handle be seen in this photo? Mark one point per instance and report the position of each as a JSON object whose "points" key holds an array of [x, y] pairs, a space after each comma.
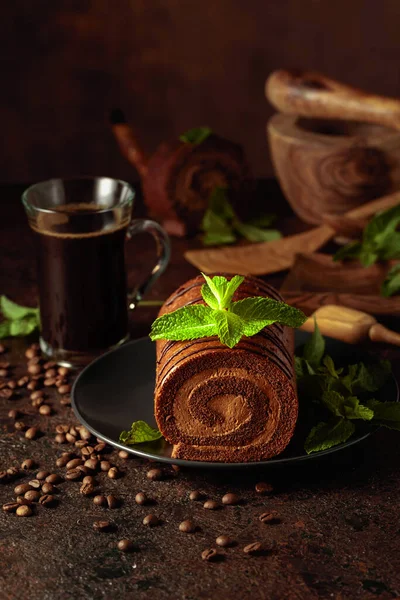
{"points": [[311, 94], [379, 333], [371, 208]]}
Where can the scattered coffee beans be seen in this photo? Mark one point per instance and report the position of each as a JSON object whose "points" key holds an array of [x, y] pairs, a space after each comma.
{"points": [[42, 475], [22, 500], [23, 381], [254, 548], [125, 546], [32, 385], [123, 454], [6, 393], [34, 369], [38, 402], [230, 499], [47, 500], [93, 465], [31, 433], [19, 426], [105, 465], [196, 495], [63, 371], [24, 511], [209, 555], [141, 499], [102, 526], [54, 478], [27, 464], [72, 464], [263, 488], [87, 489], [62, 428], [89, 479], [32, 495], [211, 505], [100, 500], [74, 475], [269, 518], [21, 489], [155, 474], [113, 473], [224, 541], [10, 507], [35, 484], [60, 438], [31, 353], [64, 389], [187, 527], [45, 410], [151, 521], [112, 502], [13, 472], [48, 488]]}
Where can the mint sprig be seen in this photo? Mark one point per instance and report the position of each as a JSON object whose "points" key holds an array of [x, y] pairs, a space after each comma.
{"points": [[18, 320], [380, 240], [391, 285], [342, 393], [221, 224], [139, 433], [228, 320], [196, 135]]}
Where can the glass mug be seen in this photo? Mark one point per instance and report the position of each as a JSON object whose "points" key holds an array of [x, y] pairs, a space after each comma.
{"points": [[80, 227]]}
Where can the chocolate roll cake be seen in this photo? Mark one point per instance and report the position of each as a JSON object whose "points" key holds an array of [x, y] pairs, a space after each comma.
{"points": [[214, 403], [181, 177]]}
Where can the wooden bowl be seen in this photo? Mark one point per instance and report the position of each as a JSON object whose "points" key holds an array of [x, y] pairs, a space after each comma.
{"points": [[331, 166]]}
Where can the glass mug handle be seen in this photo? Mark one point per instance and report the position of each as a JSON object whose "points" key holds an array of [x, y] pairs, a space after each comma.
{"points": [[163, 255]]}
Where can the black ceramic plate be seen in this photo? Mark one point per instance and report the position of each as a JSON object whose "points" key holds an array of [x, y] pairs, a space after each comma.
{"points": [[118, 388]]}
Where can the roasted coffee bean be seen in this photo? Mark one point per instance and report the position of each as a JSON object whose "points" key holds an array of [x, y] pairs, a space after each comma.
{"points": [[31, 433], [102, 526], [48, 488], [86, 450], [80, 444], [63, 371], [209, 555], [269, 518], [24, 511], [123, 454], [34, 369], [54, 478], [70, 438], [230, 499], [32, 385], [175, 468], [75, 462], [38, 402], [99, 448], [19, 426], [74, 475], [3, 372], [60, 438], [125, 546], [13, 472], [105, 465], [45, 410], [187, 527], [35, 484], [100, 500], [6, 393], [23, 381], [112, 501], [141, 499], [47, 500], [21, 489], [49, 381], [155, 474], [31, 353], [62, 428], [49, 365], [32, 495], [211, 505], [64, 389], [224, 541], [27, 464], [36, 360], [113, 473], [84, 470], [65, 400], [4, 364], [84, 433], [254, 548], [263, 488], [87, 489], [151, 521], [22, 500], [12, 384], [92, 464], [37, 377], [50, 373], [89, 479], [42, 475], [10, 507], [2, 348], [62, 461], [13, 414], [4, 476]]}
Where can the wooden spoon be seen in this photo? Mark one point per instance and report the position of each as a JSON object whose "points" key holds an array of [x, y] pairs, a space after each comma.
{"points": [[350, 326], [311, 94], [271, 257]]}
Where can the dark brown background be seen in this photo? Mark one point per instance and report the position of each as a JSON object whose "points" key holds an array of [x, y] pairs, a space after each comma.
{"points": [[171, 65]]}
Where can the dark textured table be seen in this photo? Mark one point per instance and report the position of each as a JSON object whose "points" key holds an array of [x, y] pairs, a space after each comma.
{"points": [[338, 530]]}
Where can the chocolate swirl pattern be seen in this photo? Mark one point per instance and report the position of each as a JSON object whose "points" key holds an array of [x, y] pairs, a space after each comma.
{"points": [[214, 403], [181, 177]]}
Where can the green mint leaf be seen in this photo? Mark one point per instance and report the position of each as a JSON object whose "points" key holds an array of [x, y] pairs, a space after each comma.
{"points": [[196, 135], [218, 203], [209, 297], [256, 234], [5, 329], [13, 311], [386, 413], [217, 232], [391, 249], [222, 289], [352, 409], [258, 312], [230, 328], [333, 402], [327, 435], [330, 367], [186, 323], [263, 220], [368, 257], [351, 250], [139, 432], [379, 229], [391, 285], [314, 348], [369, 378], [21, 327]]}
